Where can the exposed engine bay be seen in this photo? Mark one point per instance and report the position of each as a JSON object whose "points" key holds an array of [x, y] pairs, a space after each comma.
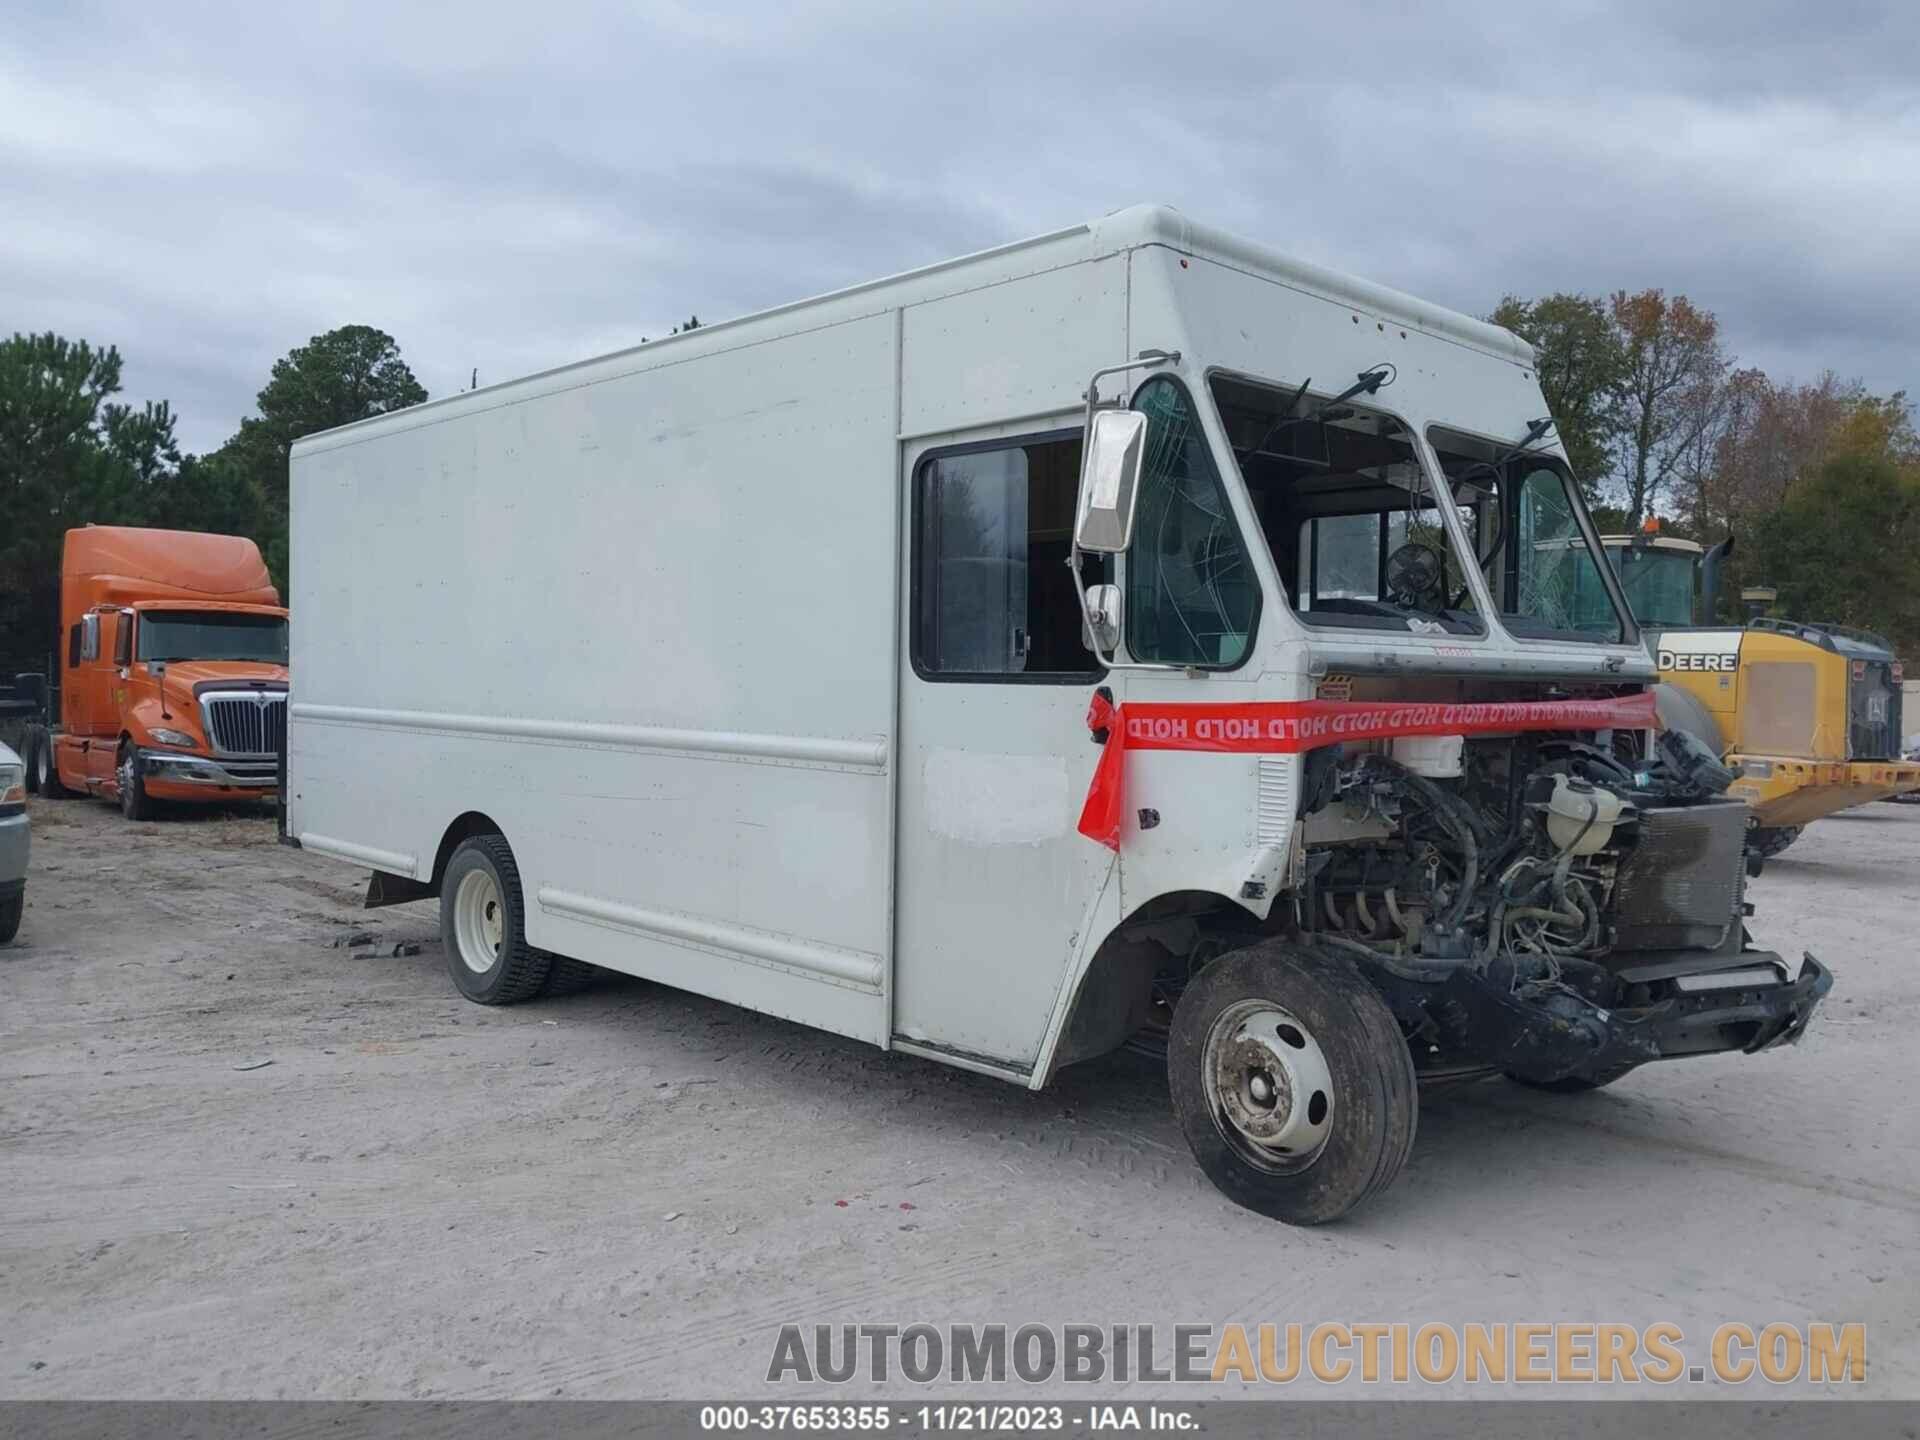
{"points": [[1544, 905]]}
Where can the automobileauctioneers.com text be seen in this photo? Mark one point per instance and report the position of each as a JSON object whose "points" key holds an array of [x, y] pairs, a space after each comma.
{"points": [[1329, 1353]]}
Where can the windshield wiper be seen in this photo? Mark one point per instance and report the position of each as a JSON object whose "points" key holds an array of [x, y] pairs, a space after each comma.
{"points": [[1534, 432], [1369, 383]]}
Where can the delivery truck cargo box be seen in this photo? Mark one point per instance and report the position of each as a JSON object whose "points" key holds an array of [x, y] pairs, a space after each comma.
{"points": [[1082, 643]]}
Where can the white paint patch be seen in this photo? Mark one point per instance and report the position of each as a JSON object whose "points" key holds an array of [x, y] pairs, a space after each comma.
{"points": [[980, 799], [1702, 642]]}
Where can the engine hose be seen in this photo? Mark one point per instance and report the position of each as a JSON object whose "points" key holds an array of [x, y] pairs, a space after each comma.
{"points": [[1457, 820], [1405, 969], [1590, 936], [1573, 917]]}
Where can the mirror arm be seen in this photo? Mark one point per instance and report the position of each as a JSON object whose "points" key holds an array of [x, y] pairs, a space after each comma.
{"points": [[1144, 359]]}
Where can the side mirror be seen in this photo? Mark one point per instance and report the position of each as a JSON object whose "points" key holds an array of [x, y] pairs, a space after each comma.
{"points": [[1109, 478], [123, 640], [1103, 619]]}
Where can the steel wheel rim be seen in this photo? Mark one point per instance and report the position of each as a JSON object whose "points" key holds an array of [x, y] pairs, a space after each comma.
{"points": [[1269, 1088], [42, 767], [479, 921], [125, 777]]}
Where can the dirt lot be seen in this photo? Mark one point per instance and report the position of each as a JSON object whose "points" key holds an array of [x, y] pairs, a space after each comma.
{"points": [[626, 1192]]}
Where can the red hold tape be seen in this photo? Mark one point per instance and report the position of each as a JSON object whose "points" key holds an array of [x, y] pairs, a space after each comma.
{"points": [[1287, 727]]}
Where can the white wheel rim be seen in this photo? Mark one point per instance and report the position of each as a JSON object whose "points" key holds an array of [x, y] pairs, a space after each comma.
{"points": [[1268, 1086], [479, 921], [41, 768], [126, 776]]}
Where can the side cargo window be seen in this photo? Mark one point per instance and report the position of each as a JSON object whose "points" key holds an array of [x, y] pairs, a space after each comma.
{"points": [[993, 597]]}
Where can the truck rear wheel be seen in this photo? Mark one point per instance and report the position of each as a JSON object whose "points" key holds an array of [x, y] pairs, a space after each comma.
{"points": [[43, 772], [568, 977], [39, 762], [1292, 1083], [483, 925]]}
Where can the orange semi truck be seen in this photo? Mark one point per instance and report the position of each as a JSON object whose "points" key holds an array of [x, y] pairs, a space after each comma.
{"points": [[175, 681]]}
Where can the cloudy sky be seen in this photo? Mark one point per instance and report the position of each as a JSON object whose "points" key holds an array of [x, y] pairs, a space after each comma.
{"points": [[507, 186]]}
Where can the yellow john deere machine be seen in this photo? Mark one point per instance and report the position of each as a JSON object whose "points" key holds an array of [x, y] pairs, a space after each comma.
{"points": [[1807, 716]]}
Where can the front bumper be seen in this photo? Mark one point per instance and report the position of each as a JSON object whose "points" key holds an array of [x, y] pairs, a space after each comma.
{"points": [[1749, 1006], [255, 773]]}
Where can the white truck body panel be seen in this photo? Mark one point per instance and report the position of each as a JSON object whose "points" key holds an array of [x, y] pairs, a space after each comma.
{"points": [[649, 614]]}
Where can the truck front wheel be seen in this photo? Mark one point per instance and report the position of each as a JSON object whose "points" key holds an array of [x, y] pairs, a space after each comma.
{"points": [[483, 925], [1292, 1083], [131, 782]]}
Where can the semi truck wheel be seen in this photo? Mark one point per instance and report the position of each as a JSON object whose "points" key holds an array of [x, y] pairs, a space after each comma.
{"points": [[483, 925], [1292, 1083], [131, 782], [45, 770], [10, 912], [39, 762]]}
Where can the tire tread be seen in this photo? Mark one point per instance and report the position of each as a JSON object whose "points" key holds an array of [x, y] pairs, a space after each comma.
{"points": [[1386, 1061], [524, 969]]}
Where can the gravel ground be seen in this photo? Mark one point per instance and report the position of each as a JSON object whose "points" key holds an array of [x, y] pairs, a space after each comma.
{"points": [[626, 1192]]}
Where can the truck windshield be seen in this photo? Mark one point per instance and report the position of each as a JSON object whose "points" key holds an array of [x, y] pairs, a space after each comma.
{"points": [[1347, 511], [1658, 582], [212, 635], [1539, 561]]}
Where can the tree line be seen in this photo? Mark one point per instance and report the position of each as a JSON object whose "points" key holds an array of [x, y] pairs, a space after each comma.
{"points": [[71, 454], [1819, 481]]}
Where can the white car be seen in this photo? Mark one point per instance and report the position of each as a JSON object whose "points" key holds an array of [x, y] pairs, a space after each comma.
{"points": [[14, 842], [1910, 752]]}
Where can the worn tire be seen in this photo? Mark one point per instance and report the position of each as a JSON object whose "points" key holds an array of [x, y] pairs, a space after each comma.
{"points": [[483, 925], [131, 783], [10, 912], [1373, 1112], [568, 977], [1767, 841], [1575, 1084], [50, 786], [38, 761]]}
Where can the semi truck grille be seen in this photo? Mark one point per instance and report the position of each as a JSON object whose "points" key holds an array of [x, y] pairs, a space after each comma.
{"points": [[249, 724], [1682, 884]]}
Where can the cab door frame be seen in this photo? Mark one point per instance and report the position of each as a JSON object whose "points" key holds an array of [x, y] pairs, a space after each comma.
{"points": [[993, 879]]}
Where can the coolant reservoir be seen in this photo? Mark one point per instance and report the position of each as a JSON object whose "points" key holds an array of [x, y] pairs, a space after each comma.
{"points": [[1435, 756], [1571, 807]]}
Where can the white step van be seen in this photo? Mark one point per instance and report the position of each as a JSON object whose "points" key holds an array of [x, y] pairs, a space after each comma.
{"points": [[1131, 636]]}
